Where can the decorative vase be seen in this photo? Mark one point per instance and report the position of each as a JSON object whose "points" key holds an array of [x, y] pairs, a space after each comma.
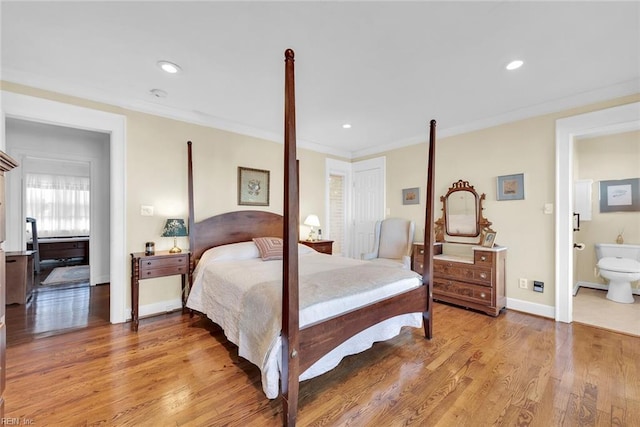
{"points": [[619, 239]]}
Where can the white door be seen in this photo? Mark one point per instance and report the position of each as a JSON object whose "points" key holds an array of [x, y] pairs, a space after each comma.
{"points": [[338, 178], [368, 202]]}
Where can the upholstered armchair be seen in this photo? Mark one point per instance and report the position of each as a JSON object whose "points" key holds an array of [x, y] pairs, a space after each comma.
{"points": [[393, 241]]}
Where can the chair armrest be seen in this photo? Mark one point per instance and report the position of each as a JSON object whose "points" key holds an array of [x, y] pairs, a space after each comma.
{"points": [[406, 262]]}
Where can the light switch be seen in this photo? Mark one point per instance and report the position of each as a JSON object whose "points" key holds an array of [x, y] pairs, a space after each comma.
{"points": [[548, 208], [146, 210]]}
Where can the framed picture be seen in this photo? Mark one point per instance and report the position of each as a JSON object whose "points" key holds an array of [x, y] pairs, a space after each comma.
{"points": [[511, 187], [621, 195], [411, 196], [253, 187], [488, 239]]}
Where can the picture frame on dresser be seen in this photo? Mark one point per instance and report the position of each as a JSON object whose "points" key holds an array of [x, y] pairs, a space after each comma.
{"points": [[488, 239]]}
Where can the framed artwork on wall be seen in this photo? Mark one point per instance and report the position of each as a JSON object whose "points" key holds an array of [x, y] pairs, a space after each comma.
{"points": [[622, 195], [510, 187], [411, 196], [253, 187]]}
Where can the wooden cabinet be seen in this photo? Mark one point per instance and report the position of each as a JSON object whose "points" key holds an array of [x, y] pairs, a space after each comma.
{"points": [[63, 248], [160, 264], [323, 246], [476, 282], [6, 164], [19, 274]]}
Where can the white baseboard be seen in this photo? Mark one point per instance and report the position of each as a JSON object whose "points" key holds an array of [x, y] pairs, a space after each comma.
{"points": [[599, 286], [531, 308], [157, 308]]}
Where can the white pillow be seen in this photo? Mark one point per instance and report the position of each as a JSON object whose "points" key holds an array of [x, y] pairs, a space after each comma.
{"points": [[231, 252]]}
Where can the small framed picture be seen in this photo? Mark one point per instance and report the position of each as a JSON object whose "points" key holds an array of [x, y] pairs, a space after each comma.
{"points": [[253, 187], [621, 195], [488, 239], [511, 187], [411, 196]]}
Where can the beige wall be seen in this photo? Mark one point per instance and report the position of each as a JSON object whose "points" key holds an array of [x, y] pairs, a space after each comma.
{"points": [[608, 157], [156, 175], [525, 146]]}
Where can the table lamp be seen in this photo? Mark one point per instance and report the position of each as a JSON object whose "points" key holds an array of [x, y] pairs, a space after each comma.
{"points": [[174, 228], [312, 221]]}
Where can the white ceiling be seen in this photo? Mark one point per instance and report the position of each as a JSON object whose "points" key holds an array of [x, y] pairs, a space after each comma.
{"points": [[385, 67]]}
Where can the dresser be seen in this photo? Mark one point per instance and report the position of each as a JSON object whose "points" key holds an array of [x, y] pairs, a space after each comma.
{"points": [[6, 164], [322, 246], [474, 280]]}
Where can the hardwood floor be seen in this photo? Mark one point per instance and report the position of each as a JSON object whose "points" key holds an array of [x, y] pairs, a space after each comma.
{"points": [[478, 370], [56, 309]]}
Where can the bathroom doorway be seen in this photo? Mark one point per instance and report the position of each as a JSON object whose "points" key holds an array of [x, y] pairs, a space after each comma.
{"points": [[625, 118]]}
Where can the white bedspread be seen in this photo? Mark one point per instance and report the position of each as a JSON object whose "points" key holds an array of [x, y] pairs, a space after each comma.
{"points": [[220, 288]]}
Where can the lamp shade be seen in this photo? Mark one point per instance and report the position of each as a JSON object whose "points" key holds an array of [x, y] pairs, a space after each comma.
{"points": [[312, 221], [174, 228]]}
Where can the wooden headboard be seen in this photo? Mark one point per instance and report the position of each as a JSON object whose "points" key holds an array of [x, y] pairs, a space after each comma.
{"points": [[231, 227]]}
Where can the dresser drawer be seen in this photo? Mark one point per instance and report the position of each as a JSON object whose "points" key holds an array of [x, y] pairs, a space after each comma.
{"points": [[159, 267], [483, 258], [459, 271], [465, 291]]}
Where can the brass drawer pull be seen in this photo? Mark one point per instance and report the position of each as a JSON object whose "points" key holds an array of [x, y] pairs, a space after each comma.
{"points": [[483, 258], [483, 275], [483, 295]]}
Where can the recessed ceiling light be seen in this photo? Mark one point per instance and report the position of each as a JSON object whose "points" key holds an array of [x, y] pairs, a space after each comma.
{"points": [[346, 126], [514, 65], [158, 93], [169, 67]]}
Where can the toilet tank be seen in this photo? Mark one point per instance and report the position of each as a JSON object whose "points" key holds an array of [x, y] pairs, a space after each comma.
{"points": [[604, 250]]}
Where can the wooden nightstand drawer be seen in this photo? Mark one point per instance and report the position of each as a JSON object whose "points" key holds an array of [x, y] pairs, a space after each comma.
{"points": [[322, 246], [176, 264]]}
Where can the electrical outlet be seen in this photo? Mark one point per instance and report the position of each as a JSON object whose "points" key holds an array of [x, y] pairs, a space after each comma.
{"points": [[523, 283], [538, 286]]}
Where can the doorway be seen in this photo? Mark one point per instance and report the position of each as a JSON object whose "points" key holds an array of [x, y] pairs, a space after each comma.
{"points": [[45, 111], [611, 120]]}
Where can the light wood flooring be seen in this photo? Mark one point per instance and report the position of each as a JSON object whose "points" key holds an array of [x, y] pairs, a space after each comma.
{"points": [[478, 370]]}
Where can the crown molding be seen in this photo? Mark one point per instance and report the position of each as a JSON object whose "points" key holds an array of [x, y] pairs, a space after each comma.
{"points": [[40, 82]]}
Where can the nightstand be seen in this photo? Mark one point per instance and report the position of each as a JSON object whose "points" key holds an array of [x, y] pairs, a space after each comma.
{"points": [[160, 264], [417, 258], [322, 246]]}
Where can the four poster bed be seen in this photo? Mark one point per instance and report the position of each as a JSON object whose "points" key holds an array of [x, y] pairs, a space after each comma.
{"points": [[298, 317]]}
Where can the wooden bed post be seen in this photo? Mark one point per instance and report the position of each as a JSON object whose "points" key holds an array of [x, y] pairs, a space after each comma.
{"points": [[191, 220], [290, 303], [427, 272]]}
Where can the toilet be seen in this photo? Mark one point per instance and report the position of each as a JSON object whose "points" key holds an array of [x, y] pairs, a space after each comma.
{"points": [[619, 265]]}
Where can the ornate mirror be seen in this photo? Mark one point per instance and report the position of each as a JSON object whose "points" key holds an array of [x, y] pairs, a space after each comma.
{"points": [[462, 220]]}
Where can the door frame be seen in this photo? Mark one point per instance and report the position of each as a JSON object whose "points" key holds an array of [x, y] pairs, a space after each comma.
{"points": [[622, 118], [31, 108]]}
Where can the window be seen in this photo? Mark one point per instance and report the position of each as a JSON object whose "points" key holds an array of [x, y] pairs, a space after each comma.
{"points": [[59, 203]]}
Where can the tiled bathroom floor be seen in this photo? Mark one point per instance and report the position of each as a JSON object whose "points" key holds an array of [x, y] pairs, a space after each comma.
{"points": [[590, 306]]}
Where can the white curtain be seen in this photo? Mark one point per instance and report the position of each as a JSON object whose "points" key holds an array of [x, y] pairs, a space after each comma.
{"points": [[59, 203]]}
